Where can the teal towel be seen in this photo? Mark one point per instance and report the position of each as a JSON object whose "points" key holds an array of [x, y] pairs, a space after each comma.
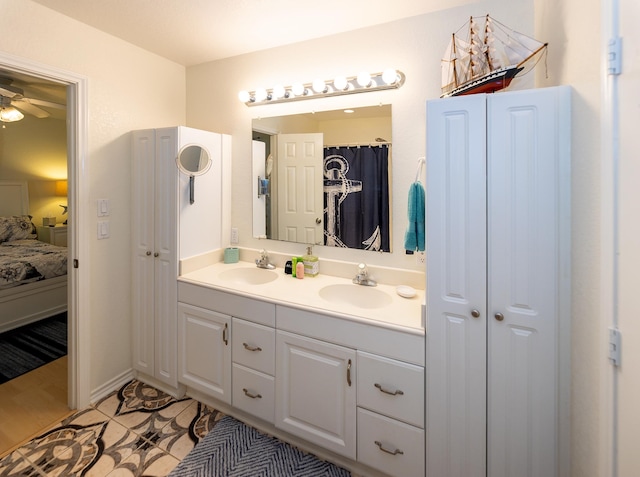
{"points": [[414, 236]]}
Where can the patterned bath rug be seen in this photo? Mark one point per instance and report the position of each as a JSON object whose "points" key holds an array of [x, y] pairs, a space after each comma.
{"points": [[233, 449]]}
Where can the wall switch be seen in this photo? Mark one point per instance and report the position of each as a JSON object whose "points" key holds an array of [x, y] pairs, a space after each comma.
{"points": [[103, 207], [235, 239], [103, 229]]}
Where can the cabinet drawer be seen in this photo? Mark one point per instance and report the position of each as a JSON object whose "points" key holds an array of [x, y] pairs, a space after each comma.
{"points": [[254, 392], [228, 303], [391, 387], [389, 445], [254, 346]]}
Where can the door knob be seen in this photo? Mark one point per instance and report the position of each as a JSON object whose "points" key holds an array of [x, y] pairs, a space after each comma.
{"points": [[475, 313], [318, 221], [499, 316]]}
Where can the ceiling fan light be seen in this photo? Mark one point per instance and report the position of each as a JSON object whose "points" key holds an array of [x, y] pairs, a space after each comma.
{"points": [[10, 114]]}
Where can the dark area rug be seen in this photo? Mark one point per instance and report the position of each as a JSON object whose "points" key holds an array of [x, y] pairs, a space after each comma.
{"points": [[31, 346], [233, 449]]}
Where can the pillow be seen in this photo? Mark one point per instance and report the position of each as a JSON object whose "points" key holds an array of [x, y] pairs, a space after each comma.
{"points": [[16, 227]]}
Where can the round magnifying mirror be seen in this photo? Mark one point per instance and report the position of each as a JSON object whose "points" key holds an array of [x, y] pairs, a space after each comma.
{"points": [[193, 160]]}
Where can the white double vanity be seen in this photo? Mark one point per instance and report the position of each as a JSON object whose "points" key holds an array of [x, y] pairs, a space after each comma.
{"points": [[346, 371]]}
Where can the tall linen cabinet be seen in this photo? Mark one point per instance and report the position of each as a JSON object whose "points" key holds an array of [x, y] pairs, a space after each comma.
{"points": [[498, 285], [166, 228]]}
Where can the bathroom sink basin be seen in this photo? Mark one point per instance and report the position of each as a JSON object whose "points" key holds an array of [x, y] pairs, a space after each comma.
{"points": [[355, 295], [249, 276]]}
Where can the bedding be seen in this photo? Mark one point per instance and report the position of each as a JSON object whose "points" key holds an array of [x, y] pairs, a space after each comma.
{"points": [[27, 260]]}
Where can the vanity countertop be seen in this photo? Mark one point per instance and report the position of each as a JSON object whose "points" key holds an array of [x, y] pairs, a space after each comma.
{"points": [[400, 313]]}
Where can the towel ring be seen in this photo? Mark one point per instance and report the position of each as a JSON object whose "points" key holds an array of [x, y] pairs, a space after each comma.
{"points": [[421, 162]]}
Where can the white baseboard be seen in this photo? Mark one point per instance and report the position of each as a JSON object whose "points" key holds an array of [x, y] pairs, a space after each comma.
{"points": [[111, 385]]}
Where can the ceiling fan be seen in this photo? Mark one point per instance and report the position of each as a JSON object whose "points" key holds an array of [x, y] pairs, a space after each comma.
{"points": [[13, 103]]}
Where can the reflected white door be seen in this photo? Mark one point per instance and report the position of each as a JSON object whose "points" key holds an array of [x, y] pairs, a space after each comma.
{"points": [[300, 209]]}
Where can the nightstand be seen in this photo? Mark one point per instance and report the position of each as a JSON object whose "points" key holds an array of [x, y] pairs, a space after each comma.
{"points": [[55, 235]]}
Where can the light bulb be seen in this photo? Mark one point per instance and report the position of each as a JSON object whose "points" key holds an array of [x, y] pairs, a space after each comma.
{"points": [[261, 94], [364, 79], [340, 82], [389, 76], [319, 86], [278, 91], [244, 96], [297, 89]]}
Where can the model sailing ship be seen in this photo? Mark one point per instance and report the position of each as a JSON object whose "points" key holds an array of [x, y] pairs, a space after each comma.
{"points": [[486, 59]]}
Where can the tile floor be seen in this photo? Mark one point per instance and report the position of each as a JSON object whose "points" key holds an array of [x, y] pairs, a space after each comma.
{"points": [[134, 431]]}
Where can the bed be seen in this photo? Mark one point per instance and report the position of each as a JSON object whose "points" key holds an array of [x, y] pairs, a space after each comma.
{"points": [[33, 281]]}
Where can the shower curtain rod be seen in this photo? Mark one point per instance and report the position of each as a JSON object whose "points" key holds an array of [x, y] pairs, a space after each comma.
{"points": [[371, 144]]}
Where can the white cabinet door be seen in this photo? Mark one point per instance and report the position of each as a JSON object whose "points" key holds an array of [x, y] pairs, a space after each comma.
{"points": [[204, 348], [143, 243], [165, 256], [456, 286], [316, 392], [528, 231]]}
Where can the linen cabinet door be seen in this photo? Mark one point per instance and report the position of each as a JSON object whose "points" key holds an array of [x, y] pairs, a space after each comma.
{"points": [[316, 392], [456, 287], [204, 350], [528, 230]]}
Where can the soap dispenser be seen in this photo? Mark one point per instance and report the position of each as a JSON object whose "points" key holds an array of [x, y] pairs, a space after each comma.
{"points": [[311, 263]]}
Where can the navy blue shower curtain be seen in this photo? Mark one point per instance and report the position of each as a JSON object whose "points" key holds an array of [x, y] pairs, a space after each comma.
{"points": [[356, 197]]}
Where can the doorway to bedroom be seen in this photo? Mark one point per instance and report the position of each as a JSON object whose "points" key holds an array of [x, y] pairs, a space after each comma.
{"points": [[39, 136]]}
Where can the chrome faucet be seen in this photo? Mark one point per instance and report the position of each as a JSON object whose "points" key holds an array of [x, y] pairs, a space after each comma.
{"points": [[263, 261], [362, 278]]}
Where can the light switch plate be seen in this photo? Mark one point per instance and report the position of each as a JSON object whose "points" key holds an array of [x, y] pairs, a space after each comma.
{"points": [[103, 207], [103, 229]]}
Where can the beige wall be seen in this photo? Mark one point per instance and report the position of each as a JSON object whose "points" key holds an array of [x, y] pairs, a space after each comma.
{"points": [[128, 88], [35, 150], [414, 46]]}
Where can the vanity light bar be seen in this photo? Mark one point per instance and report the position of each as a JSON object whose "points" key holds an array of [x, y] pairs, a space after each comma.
{"points": [[362, 83]]}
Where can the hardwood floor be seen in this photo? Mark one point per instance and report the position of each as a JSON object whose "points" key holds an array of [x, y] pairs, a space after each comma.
{"points": [[31, 403]]}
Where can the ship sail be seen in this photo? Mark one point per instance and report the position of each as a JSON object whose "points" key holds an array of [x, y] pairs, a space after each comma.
{"points": [[485, 57]]}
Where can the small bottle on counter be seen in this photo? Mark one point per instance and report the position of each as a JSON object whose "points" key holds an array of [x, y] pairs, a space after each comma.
{"points": [[300, 269], [311, 263]]}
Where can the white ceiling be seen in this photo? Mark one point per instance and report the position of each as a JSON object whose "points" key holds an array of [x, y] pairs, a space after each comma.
{"points": [[191, 32]]}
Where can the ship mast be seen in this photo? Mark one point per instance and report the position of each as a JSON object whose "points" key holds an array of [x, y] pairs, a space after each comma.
{"points": [[453, 61], [471, 41], [486, 43]]}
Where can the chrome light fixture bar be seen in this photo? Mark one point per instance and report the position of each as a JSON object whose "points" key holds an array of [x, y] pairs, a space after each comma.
{"points": [[318, 88]]}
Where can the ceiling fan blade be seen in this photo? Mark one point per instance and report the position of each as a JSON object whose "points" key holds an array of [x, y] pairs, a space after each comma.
{"points": [[30, 109], [7, 91], [46, 104]]}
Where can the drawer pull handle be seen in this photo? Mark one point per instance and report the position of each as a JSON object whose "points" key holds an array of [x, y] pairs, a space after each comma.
{"points": [[349, 373], [248, 347], [394, 452], [250, 394], [224, 334], [397, 392]]}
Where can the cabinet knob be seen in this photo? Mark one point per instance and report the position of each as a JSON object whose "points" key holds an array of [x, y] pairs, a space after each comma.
{"points": [[475, 313], [156, 254], [349, 373], [499, 316], [225, 338], [148, 252]]}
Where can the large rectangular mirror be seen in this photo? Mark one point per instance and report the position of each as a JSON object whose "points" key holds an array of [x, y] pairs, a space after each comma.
{"points": [[324, 178]]}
